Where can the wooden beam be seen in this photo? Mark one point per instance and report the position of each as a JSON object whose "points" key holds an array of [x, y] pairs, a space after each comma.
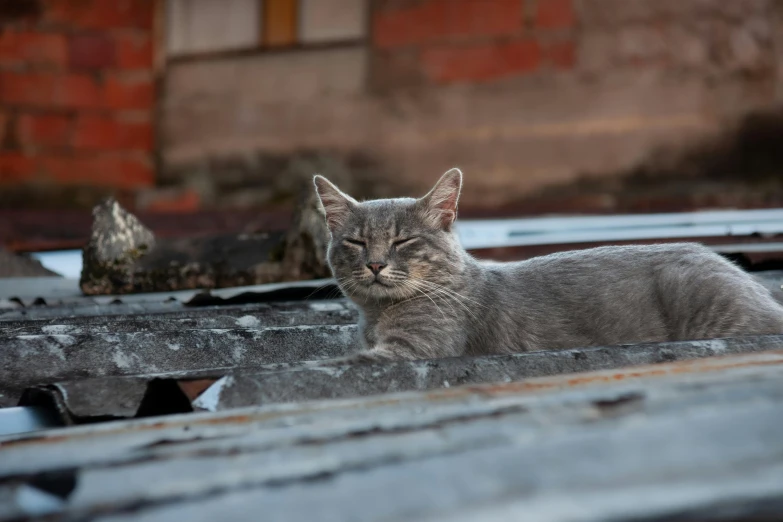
{"points": [[279, 23]]}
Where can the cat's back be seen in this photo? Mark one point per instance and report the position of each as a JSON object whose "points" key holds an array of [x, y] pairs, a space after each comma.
{"points": [[616, 294], [614, 262], [606, 277]]}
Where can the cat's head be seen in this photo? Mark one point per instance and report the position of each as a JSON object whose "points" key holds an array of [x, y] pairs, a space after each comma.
{"points": [[392, 249]]}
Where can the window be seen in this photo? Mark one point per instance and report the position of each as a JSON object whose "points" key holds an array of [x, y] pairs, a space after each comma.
{"points": [[205, 26]]}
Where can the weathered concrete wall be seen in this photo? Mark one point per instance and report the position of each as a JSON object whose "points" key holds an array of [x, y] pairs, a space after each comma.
{"points": [[521, 94]]}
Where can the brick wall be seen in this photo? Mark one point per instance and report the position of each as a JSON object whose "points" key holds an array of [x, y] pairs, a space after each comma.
{"points": [[77, 94], [529, 97], [467, 41], [449, 41]]}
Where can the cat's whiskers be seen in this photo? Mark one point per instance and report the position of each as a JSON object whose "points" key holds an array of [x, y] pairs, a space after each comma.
{"points": [[454, 294], [457, 294], [321, 287], [450, 294], [348, 285], [411, 284], [443, 298]]}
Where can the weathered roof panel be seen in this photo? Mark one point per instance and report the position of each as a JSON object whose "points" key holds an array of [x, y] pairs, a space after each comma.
{"points": [[326, 312], [655, 446], [36, 359], [58, 291], [227, 388], [691, 430]]}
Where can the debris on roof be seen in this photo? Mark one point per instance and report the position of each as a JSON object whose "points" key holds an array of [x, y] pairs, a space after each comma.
{"points": [[42, 297], [123, 256]]}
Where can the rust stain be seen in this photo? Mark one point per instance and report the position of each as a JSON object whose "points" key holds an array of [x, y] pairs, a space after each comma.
{"points": [[712, 364]]}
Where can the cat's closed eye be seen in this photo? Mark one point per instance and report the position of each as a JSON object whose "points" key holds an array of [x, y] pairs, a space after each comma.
{"points": [[400, 242], [356, 242]]}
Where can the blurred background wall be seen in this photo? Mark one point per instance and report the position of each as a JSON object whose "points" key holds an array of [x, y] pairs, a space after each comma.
{"points": [[546, 105]]}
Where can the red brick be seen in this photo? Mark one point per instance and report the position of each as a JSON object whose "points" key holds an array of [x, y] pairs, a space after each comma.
{"points": [[32, 49], [77, 91], [5, 121], [112, 171], [101, 14], [168, 201], [26, 88], [16, 168], [434, 20], [123, 93], [134, 52], [555, 14], [481, 62], [109, 133], [561, 55], [50, 90], [44, 130], [91, 51]]}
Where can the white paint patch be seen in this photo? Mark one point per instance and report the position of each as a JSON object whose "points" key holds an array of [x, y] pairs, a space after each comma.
{"points": [[174, 347], [64, 340], [717, 345], [238, 351], [248, 321], [330, 371], [60, 329], [121, 360], [446, 384], [210, 398], [327, 307], [422, 371], [55, 350]]}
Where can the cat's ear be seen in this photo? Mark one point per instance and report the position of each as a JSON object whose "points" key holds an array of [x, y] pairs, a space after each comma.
{"points": [[441, 202], [336, 205]]}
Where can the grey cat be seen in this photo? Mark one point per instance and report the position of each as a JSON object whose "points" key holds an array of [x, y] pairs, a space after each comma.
{"points": [[420, 295]]}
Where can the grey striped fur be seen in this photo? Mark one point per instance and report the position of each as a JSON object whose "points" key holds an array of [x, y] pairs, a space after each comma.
{"points": [[434, 300]]}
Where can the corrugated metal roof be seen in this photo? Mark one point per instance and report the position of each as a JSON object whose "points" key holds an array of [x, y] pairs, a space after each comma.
{"points": [[685, 431], [661, 446], [496, 233], [62, 292], [219, 389], [196, 339]]}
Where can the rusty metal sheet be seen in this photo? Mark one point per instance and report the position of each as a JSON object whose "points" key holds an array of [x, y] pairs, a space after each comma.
{"points": [[653, 446], [82, 400]]}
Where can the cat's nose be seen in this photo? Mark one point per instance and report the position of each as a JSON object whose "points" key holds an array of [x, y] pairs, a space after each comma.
{"points": [[376, 268]]}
